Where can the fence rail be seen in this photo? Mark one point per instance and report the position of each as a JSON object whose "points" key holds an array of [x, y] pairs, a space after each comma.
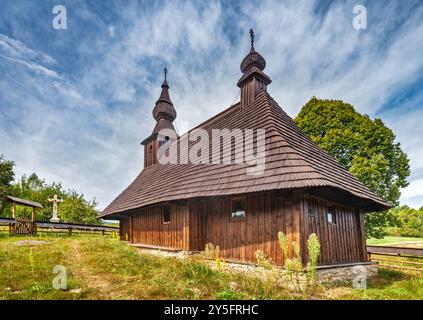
{"points": [[378, 253], [58, 227]]}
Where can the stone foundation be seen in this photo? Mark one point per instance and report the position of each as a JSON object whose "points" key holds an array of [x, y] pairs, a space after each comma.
{"points": [[346, 273], [341, 273]]}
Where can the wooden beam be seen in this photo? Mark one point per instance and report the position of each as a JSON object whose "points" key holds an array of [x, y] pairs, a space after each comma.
{"points": [[33, 214], [185, 230], [14, 210], [395, 250], [131, 229]]}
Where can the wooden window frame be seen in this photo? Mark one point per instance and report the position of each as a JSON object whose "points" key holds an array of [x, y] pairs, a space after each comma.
{"points": [[243, 200], [331, 211], [163, 215]]}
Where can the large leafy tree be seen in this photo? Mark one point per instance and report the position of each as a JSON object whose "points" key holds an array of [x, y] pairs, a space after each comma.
{"points": [[366, 147], [6, 178]]}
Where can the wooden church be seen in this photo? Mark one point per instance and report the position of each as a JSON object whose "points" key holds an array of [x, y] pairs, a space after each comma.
{"points": [[302, 190]]}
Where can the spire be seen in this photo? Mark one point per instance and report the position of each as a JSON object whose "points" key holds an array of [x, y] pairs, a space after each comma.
{"points": [[164, 113], [164, 106], [253, 79]]}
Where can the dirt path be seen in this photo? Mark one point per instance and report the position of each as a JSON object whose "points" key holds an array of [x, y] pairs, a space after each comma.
{"points": [[98, 285]]}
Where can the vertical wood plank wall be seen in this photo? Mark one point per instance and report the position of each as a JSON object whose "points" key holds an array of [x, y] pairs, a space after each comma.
{"points": [[342, 241], [239, 240], [148, 227], [124, 229], [209, 220]]}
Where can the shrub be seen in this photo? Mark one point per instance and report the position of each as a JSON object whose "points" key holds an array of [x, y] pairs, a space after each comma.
{"points": [[263, 260]]}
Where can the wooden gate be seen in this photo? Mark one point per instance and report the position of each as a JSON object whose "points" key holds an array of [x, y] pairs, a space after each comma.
{"points": [[23, 226]]}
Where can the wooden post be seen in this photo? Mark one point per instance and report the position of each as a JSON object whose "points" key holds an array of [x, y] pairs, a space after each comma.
{"points": [[362, 236], [14, 210], [33, 214], [131, 230], [185, 229]]}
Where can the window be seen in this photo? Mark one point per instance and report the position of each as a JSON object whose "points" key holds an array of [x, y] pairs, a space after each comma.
{"points": [[311, 212], [166, 214], [238, 209], [331, 215]]}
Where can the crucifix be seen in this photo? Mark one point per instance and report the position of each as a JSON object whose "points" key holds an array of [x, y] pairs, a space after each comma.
{"points": [[252, 37], [55, 201]]}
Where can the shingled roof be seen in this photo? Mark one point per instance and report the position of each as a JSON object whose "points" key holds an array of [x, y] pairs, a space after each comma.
{"points": [[292, 161]]}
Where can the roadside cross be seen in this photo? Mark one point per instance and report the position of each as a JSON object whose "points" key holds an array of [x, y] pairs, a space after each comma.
{"points": [[55, 201]]}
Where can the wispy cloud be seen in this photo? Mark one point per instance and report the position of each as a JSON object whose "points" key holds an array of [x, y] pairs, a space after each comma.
{"points": [[17, 52], [78, 113]]}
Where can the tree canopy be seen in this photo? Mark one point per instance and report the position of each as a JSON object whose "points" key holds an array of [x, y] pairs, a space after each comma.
{"points": [[408, 222], [75, 207], [6, 178], [366, 147]]}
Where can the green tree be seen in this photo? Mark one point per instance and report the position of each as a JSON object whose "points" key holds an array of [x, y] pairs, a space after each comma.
{"points": [[366, 147], [6, 178], [75, 208], [408, 221], [38, 190]]}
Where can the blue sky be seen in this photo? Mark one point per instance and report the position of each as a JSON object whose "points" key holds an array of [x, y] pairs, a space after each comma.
{"points": [[75, 103]]}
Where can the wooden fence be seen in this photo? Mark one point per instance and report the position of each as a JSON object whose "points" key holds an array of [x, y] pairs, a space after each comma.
{"points": [[401, 258], [18, 227]]}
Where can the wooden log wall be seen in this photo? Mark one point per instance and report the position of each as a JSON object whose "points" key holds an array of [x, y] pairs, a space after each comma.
{"points": [[343, 240], [239, 240], [125, 232], [148, 227], [209, 220]]}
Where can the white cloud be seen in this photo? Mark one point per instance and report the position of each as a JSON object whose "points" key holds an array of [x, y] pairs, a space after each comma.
{"points": [[16, 49], [111, 30], [86, 132]]}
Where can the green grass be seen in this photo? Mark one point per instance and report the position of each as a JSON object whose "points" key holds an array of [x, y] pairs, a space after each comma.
{"points": [[390, 285], [105, 268], [392, 240]]}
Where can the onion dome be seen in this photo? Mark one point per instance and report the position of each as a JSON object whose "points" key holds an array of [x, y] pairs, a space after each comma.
{"points": [[252, 66], [253, 59], [164, 106]]}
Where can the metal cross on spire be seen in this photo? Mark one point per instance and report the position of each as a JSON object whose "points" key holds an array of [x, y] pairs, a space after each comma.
{"points": [[165, 72], [252, 36]]}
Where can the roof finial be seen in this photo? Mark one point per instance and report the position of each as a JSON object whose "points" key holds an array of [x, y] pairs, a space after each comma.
{"points": [[252, 36], [165, 72]]}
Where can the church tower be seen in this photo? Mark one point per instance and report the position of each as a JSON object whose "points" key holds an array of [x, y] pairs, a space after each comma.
{"points": [[164, 113], [253, 79]]}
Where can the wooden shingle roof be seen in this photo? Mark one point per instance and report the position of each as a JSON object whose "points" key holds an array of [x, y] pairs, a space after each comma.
{"points": [[24, 202], [292, 161]]}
